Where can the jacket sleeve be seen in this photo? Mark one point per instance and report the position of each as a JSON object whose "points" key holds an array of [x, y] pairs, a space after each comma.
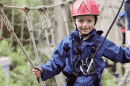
{"points": [[56, 64], [115, 53]]}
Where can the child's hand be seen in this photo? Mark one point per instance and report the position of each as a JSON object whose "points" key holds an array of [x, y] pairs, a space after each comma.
{"points": [[37, 71]]}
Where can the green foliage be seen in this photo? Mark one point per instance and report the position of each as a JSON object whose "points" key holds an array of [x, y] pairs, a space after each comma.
{"points": [[4, 45], [20, 69], [107, 80], [71, 27], [3, 80], [22, 75]]}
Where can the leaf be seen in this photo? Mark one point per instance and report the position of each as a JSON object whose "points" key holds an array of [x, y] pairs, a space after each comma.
{"points": [[3, 79]]}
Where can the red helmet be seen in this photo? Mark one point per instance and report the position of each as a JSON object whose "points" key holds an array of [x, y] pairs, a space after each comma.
{"points": [[83, 7]]}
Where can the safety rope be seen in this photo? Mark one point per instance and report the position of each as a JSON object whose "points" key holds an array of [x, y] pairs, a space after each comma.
{"points": [[65, 17], [30, 27]]}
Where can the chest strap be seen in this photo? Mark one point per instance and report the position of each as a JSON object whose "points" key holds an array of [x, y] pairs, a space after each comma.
{"points": [[77, 72]]}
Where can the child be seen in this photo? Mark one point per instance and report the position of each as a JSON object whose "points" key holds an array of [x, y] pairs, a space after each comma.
{"points": [[73, 54]]}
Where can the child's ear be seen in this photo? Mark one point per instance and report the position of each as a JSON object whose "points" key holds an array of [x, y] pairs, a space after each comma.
{"points": [[74, 19], [97, 19]]}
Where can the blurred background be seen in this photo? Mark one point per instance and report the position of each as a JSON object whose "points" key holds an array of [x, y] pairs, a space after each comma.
{"points": [[15, 70]]}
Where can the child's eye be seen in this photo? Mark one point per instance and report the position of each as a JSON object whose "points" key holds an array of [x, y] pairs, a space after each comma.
{"points": [[80, 20], [89, 21]]}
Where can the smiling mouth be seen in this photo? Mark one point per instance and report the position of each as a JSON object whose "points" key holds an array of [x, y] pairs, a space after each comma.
{"points": [[85, 29]]}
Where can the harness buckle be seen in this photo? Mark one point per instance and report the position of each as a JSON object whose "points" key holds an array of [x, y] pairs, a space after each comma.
{"points": [[84, 68], [77, 67]]}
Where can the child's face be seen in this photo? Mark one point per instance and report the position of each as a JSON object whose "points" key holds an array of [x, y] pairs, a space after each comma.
{"points": [[85, 24]]}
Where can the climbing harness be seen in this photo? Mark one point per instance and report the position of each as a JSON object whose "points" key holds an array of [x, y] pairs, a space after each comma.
{"points": [[80, 68]]}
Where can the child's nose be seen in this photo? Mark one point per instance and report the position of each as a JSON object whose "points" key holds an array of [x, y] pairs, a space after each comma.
{"points": [[85, 25]]}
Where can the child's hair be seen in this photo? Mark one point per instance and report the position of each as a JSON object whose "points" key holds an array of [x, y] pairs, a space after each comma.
{"points": [[93, 15]]}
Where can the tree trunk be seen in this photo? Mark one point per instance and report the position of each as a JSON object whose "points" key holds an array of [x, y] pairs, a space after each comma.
{"points": [[59, 35], [59, 23]]}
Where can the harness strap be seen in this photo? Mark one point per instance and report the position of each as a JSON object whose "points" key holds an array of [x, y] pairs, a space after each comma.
{"points": [[95, 79], [71, 80]]}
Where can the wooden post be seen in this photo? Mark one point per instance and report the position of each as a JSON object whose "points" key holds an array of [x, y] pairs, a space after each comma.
{"points": [[60, 27]]}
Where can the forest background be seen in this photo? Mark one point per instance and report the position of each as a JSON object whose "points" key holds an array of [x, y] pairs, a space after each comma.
{"points": [[20, 69]]}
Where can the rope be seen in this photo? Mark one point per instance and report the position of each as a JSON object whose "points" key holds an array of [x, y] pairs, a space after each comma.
{"points": [[50, 27], [36, 8], [70, 4], [45, 24], [26, 10], [53, 40], [65, 17], [11, 29], [43, 14]]}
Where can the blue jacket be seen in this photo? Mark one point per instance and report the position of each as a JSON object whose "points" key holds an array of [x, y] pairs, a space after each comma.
{"points": [[63, 58]]}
